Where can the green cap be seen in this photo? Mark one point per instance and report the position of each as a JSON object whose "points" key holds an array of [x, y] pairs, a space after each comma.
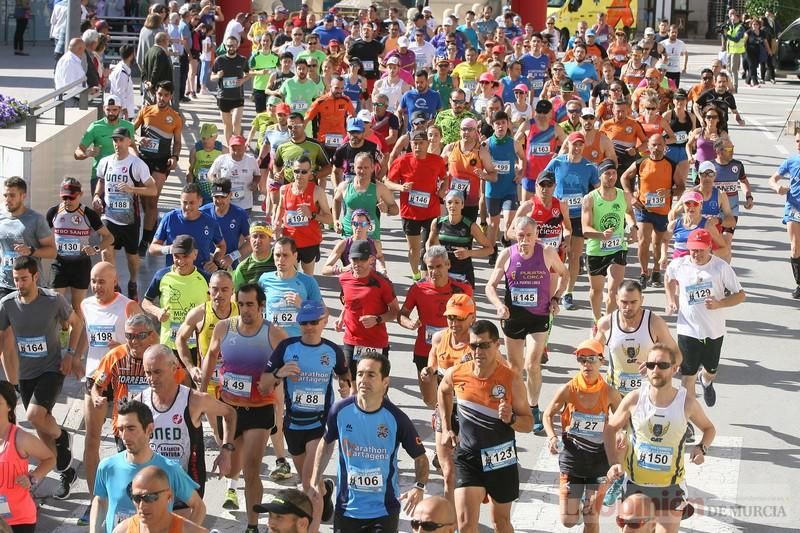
{"points": [[274, 100], [208, 130]]}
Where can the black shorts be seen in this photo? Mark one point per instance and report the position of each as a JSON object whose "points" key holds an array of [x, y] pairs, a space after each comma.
{"points": [[501, 484], [494, 206], [226, 106], [72, 273], [573, 487], [126, 237], [420, 361], [384, 524], [309, 254], [577, 226], [157, 164], [598, 264], [413, 228], [42, 391], [353, 364], [471, 212], [583, 465], [260, 98], [669, 498], [296, 439], [521, 323], [697, 353], [251, 418]]}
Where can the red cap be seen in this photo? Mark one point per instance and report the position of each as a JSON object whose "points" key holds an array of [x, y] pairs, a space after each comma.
{"points": [[487, 76], [283, 108], [698, 239], [236, 140], [499, 49], [576, 136]]}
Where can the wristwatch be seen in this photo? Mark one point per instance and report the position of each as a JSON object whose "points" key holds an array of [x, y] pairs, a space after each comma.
{"points": [[229, 446], [379, 319], [419, 485]]}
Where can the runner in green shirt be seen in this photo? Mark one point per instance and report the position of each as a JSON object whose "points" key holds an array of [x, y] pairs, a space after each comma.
{"points": [[262, 63], [201, 156], [259, 261], [300, 91], [449, 120], [97, 142], [297, 146], [313, 51]]}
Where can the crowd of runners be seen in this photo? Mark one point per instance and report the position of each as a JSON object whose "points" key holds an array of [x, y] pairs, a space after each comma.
{"points": [[490, 143]]}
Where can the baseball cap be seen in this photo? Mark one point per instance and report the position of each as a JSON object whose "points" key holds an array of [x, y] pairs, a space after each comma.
{"points": [[517, 39], [365, 116], [567, 85], [460, 305], [355, 124], [333, 41], [402, 42], [417, 115], [546, 175], [260, 227], [121, 132], [652, 73], [606, 165], [576, 136], [692, 196], [274, 100], [70, 187], [590, 33], [698, 239], [588, 112], [183, 244], [590, 347], [236, 140], [427, 9], [311, 310], [208, 130], [447, 22], [102, 24], [522, 87], [707, 166], [544, 106], [184, 9], [681, 94], [394, 60], [498, 49], [649, 31], [287, 501], [329, 18], [442, 61], [221, 187], [419, 135], [111, 99], [487, 76], [282, 109], [360, 250]]}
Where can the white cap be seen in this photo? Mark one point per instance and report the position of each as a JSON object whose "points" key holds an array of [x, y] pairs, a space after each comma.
{"points": [[588, 112], [394, 60], [402, 42], [111, 99], [364, 115], [705, 166], [649, 31], [427, 9]]}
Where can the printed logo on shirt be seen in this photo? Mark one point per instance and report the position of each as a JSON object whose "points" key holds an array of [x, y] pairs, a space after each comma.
{"points": [[324, 360], [498, 392], [383, 431]]}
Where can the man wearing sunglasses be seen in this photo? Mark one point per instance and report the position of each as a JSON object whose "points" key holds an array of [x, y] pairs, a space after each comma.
{"points": [[584, 404], [637, 513], [434, 513], [450, 119], [297, 146], [657, 416]]}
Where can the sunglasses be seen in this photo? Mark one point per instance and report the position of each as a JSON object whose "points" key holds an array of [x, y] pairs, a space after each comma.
{"points": [[150, 497], [301, 171], [142, 335], [633, 523], [519, 92], [573, 111], [481, 345], [360, 223], [418, 123], [467, 129], [427, 525], [296, 126], [309, 322], [588, 359], [662, 365], [546, 184], [458, 102], [455, 318], [378, 104]]}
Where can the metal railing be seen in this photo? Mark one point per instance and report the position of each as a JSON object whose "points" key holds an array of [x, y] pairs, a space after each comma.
{"points": [[57, 100]]}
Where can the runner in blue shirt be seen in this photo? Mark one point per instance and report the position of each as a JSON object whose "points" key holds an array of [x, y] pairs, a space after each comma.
{"points": [[370, 429], [582, 72], [286, 288], [791, 213], [535, 65], [233, 223], [421, 98], [189, 220]]}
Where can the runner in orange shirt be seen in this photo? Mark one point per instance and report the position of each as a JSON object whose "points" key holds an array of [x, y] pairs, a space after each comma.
{"points": [[332, 111], [625, 133]]}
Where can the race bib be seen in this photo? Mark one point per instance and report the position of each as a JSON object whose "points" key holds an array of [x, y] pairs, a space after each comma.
{"points": [[681, 137], [32, 346], [540, 149], [611, 245], [365, 479], [5, 510], [555, 242], [230, 83], [296, 219], [173, 334], [654, 199], [334, 139], [369, 66], [217, 371], [528, 297], [8, 259], [100, 336], [587, 425], [469, 85], [503, 167], [284, 315], [429, 332], [70, 246], [309, 399], [537, 84], [148, 144], [359, 351], [500, 456], [620, 57], [728, 187], [459, 184], [202, 174], [419, 199], [136, 389], [237, 384], [696, 294], [299, 106], [629, 382], [653, 457], [457, 277], [118, 202], [574, 204], [237, 191]]}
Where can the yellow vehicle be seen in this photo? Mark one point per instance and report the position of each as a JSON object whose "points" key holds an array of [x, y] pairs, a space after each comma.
{"points": [[619, 13]]}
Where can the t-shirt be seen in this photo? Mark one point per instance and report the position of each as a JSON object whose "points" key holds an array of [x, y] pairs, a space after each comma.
{"points": [[241, 173], [573, 181], [325, 36], [319, 55], [428, 102], [261, 61], [725, 101], [233, 69], [178, 294], [790, 168], [233, 225], [534, 69], [674, 52], [36, 327], [299, 95], [278, 310], [695, 284], [122, 208], [344, 157], [468, 75], [251, 268], [430, 302], [115, 474], [99, 135], [368, 53], [423, 54], [370, 295], [203, 229], [421, 202], [28, 228], [578, 72], [367, 481], [287, 153]]}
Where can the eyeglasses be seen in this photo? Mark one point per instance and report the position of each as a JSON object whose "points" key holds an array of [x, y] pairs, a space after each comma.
{"points": [[142, 335], [633, 523], [546, 184], [662, 365], [709, 173], [301, 171], [485, 345], [711, 116], [150, 497], [690, 204], [417, 122], [309, 322], [588, 359], [573, 111], [455, 318], [360, 223], [427, 525], [467, 129], [450, 42]]}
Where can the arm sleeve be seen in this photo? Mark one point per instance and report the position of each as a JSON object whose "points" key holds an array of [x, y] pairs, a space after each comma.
{"points": [[64, 308], [312, 287], [340, 367], [4, 322], [100, 483], [411, 299], [42, 230], [87, 138], [217, 238], [729, 279], [161, 231]]}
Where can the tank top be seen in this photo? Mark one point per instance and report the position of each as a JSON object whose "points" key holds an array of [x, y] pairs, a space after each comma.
{"points": [[393, 92], [202, 163], [204, 334], [243, 361], [592, 151], [280, 77], [462, 167], [633, 76], [680, 234], [585, 413], [704, 150], [444, 88], [446, 355], [651, 129], [71, 230], [711, 207], [528, 281], [541, 146], [504, 158], [655, 454], [368, 201], [16, 504], [624, 350], [353, 90], [517, 116], [174, 435], [305, 231], [653, 176], [452, 236], [104, 323], [135, 524], [607, 214], [681, 129], [549, 218]]}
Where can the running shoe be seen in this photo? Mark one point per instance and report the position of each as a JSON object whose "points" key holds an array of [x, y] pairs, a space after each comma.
{"points": [[133, 291], [656, 280], [643, 280], [709, 394], [796, 293], [281, 471], [86, 517], [63, 452], [231, 500], [327, 500], [68, 478], [538, 426], [567, 302]]}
